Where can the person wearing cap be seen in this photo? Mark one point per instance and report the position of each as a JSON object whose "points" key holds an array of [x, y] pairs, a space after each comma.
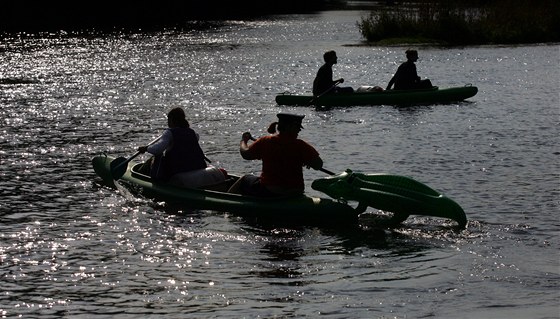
{"points": [[323, 82], [283, 156], [406, 77]]}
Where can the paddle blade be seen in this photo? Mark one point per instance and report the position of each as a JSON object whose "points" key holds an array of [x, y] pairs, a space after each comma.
{"points": [[118, 167]]}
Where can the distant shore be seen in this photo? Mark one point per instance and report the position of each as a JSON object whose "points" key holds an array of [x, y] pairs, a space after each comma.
{"points": [[464, 23], [422, 22], [56, 16]]}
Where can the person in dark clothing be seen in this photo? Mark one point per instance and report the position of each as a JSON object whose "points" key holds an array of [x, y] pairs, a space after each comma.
{"points": [[177, 150], [406, 77], [323, 82]]}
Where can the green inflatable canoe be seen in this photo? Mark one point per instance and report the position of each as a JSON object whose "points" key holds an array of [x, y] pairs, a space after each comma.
{"points": [[304, 209], [400, 195], [434, 95]]}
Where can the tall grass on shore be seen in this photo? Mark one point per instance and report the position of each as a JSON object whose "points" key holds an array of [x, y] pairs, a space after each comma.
{"points": [[456, 22]]}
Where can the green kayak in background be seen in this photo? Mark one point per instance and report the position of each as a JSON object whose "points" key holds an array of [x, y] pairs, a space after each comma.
{"points": [[434, 95], [399, 195]]}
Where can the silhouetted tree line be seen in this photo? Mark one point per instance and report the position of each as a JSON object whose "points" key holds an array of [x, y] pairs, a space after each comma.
{"points": [[45, 16]]}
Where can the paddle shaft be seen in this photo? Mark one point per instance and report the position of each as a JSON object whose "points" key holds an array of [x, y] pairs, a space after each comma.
{"points": [[326, 171], [326, 91], [125, 162], [152, 142]]}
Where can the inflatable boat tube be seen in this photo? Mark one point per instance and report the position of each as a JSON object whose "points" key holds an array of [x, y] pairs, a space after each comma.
{"points": [[198, 178]]}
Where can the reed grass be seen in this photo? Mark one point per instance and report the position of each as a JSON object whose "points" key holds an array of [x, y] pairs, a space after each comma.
{"points": [[455, 22]]}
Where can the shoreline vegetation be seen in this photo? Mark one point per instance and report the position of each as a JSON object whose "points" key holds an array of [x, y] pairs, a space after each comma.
{"points": [[457, 23], [390, 22]]}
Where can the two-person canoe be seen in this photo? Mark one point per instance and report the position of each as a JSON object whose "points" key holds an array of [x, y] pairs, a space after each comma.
{"points": [[433, 95], [400, 195], [305, 209]]}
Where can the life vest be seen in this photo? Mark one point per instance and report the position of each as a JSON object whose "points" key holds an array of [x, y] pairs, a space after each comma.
{"points": [[185, 155]]}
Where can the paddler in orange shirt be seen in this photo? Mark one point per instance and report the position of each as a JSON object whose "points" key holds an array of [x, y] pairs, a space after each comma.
{"points": [[283, 156]]}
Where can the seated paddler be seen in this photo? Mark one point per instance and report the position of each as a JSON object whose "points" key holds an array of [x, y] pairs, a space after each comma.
{"points": [[283, 157], [323, 82], [406, 77], [176, 152]]}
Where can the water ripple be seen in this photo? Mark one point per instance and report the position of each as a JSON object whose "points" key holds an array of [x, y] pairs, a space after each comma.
{"points": [[71, 247]]}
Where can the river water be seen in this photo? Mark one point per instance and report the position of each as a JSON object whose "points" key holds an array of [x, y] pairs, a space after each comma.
{"points": [[73, 248]]}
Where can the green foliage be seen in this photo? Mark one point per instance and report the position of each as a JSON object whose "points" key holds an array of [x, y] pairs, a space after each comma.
{"points": [[453, 22]]}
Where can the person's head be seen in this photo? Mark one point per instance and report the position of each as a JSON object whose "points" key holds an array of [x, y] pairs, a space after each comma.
{"points": [[176, 118], [411, 55], [330, 57], [287, 123]]}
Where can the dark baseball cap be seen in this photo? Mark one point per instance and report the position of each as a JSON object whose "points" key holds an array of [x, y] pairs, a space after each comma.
{"points": [[290, 118]]}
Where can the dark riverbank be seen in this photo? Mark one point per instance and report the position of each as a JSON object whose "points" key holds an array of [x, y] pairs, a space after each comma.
{"points": [[54, 16]]}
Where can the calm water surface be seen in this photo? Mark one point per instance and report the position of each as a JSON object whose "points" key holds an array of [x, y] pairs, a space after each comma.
{"points": [[72, 248]]}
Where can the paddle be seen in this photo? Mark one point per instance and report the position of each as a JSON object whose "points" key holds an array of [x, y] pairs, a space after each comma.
{"points": [[325, 92], [326, 171], [120, 164]]}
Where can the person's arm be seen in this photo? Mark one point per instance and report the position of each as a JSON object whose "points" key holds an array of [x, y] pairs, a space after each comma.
{"points": [[316, 163], [391, 82], [160, 146], [244, 146], [310, 155], [397, 76]]}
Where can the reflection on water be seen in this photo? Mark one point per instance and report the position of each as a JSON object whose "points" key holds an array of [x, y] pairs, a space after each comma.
{"points": [[70, 247]]}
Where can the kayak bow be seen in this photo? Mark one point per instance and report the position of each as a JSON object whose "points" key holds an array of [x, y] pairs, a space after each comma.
{"points": [[393, 193]]}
